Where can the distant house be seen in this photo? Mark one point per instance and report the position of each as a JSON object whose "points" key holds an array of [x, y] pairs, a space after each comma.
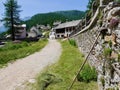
{"points": [[56, 23], [20, 31], [65, 29], [34, 32], [43, 27]]}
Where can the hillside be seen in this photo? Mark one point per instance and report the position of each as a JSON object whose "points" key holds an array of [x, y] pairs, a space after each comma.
{"points": [[49, 18], [72, 14]]}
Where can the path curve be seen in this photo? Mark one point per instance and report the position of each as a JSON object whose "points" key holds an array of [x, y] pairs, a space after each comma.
{"points": [[27, 68]]}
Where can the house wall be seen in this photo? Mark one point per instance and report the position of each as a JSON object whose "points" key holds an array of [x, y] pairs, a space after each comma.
{"points": [[20, 32], [23, 34], [65, 32]]}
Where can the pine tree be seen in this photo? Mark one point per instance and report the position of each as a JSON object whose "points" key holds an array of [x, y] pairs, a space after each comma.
{"points": [[11, 16]]}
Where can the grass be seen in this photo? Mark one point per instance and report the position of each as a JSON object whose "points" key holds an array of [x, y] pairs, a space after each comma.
{"points": [[72, 42], [11, 52], [60, 75]]}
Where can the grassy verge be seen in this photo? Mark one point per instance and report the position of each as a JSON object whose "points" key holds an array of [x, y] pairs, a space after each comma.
{"points": [[60, 75], [11, 51]]}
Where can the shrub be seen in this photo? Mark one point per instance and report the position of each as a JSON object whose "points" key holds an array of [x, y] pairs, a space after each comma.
{"points": [[88, 74], [107, 52], [118, 57], [102, 81], [46, 79], [117, 1], [46, 34], [72, 42], [110, 43]]}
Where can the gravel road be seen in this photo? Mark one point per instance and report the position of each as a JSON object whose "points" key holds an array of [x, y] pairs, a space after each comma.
{"points": [[27, 68]]}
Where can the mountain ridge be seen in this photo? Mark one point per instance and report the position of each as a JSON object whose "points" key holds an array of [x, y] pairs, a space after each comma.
{"points": [[50, 17]]}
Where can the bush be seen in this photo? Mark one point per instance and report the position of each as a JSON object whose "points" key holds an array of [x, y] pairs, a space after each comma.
{"points": [[46, 79], [117, 1], [107, 52], [72, 42], [88, 74]]}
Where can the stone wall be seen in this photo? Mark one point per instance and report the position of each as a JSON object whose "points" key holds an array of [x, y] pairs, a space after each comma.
{"points": [[105, 56]]}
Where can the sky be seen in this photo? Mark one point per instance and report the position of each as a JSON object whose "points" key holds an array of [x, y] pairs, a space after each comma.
{"points": [[32, 7]]}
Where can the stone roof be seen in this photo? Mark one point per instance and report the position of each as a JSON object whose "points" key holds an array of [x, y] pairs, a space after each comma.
{"points": [[68, 24]]}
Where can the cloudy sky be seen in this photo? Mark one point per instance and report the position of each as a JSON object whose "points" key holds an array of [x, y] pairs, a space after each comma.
{"points": [[32, 7]]}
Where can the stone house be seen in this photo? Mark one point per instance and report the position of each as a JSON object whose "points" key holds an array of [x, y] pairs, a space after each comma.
{"points": [[43, 27], [20, 31], [56, 23], [65, 29], [34, 32]]}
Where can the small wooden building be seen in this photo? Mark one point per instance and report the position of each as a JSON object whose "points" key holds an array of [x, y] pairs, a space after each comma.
{"points": [[65, 29]]}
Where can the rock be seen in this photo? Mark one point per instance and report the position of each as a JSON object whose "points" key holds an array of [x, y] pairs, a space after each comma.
{"points": [[114, 21], [118, 41], [111, 38], [115, 11], [117, 32], [116, 78], [32, 81], [114, 55]]}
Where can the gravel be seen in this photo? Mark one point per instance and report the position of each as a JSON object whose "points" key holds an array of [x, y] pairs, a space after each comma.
{"points": [[27, 68]]}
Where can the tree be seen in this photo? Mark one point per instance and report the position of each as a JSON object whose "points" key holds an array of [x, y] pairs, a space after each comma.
{"points": [[89, 6], [11, 15]]}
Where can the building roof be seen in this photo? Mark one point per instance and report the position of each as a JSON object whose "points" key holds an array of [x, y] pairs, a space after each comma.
{"points": [[23, 25], [68, 24], [57, 23]]}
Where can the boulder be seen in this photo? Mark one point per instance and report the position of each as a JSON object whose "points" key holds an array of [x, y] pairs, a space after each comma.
{"points": [[111, 38], [115, 11]]}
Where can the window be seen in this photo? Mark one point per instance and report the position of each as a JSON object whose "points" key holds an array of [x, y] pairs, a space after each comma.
{"points": [[62, 35], [58, 35]]}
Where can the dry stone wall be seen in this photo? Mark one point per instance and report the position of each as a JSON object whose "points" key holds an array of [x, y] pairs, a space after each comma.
{"points": [[105, 56]]}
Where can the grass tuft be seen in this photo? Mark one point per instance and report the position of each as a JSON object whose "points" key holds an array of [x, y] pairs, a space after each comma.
{"points": [[88, 74], [72, 42]]}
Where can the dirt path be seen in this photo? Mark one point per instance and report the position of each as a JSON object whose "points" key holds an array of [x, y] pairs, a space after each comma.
{"points": [[27, 68]]}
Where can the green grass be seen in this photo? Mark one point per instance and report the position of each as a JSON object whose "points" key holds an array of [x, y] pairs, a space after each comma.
{"points": [[60, 75], [72, 42], [11, 51]]}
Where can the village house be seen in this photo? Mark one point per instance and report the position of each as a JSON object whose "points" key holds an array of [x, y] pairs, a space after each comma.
{"points": [[65, 29], [56, 23], [43, 27], [20, 31], [34, 32]]}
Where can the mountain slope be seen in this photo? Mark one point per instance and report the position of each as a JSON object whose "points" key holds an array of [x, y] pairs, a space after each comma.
{"points": [[72, 14], [49, 18]]}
